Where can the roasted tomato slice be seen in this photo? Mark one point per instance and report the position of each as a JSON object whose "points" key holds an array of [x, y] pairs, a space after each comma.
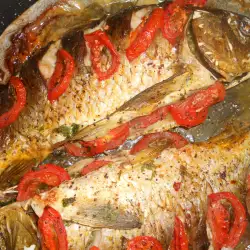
{"points": [[93, 166], [147, 120], [10, 116], [146, 36], [112, 140], [46, 177], [94, 248], [220, 237], [219, 222], [193, 111], [144, 243], [180, 240], [52, 230], [96, 41], [175, 18], [173, 139], [60, 80]]}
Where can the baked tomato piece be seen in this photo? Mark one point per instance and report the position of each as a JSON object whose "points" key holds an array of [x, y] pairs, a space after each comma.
{"points": [[63, 73], [144, 243], [194, 110], [93, 166], [96, 41], [35, 182], [146, 35], [52, 230], [10, 116], [223, 236], [175, 18], [174, 140], [180, 239]]}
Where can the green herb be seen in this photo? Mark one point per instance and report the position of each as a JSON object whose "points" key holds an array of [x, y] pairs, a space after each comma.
{"points": [[67, 201], [68, 131], [149, 166]]}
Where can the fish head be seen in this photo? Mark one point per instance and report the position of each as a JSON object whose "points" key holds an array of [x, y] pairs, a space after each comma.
{"points": [[220, 41]]}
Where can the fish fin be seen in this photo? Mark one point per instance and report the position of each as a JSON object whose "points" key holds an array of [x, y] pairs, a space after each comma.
{"points": [[12, 174], [105, 216]]}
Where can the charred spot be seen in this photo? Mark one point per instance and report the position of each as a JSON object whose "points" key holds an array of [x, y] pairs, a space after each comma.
{"points": [[74, 43], [119, 25], [7, 98]]}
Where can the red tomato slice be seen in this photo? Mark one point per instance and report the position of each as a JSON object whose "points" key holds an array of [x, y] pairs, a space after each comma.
{"points": [[180, 239], [94, 248], [31, 183], [53, 233], [10, 116], [175, 140], [175, 19], [112, 140], [144, 243], [147, 120], [146, 36], [60, 80], [96, 41], [193, 111], [219, 222], [95, 165], [240, 221], [196, 3]]}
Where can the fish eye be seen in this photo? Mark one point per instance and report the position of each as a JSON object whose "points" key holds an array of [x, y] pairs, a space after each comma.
{"points": [[245, 26]]}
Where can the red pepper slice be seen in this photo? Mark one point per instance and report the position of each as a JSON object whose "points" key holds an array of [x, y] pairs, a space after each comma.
{"points": [[144, 243], [193, 111], [94, 248], [147, 120], [112, 140], [180, 239], [9, 117], [49, 175], [93, 166], [146, 36], [175, 139], [96, 41], [240, 221], [53, 233], [218, 219], [60, 80], [175, 19]]}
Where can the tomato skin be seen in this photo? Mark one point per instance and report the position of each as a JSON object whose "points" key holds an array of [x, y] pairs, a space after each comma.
{"points": [[94, 248], [180, 240], [60, 80], [144, 243], [95, 41], [218, 219], [49, 174], [112, 140], [174, 138], [147, 120], [53, 233], [195, 3], [194, 110], [95, 165], [144, 39], [175, 19], [10, 116], [240, 221]]}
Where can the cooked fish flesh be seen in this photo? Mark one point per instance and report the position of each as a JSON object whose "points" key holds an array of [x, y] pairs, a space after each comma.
{"points": [[145, 193]]}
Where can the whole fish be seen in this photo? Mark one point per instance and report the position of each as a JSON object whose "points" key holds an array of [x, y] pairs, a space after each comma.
{"points": [[139, 193]]}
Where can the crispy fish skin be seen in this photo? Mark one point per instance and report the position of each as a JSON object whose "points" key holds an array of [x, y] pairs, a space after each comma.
{"points": [[147, 190], [86, 100]]}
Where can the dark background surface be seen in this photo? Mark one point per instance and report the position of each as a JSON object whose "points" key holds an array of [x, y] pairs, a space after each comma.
{"points": [[11, 9]]}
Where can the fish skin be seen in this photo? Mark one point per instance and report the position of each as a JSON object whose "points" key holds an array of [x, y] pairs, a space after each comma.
{"points": [[33, 134], [147, 190]]}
